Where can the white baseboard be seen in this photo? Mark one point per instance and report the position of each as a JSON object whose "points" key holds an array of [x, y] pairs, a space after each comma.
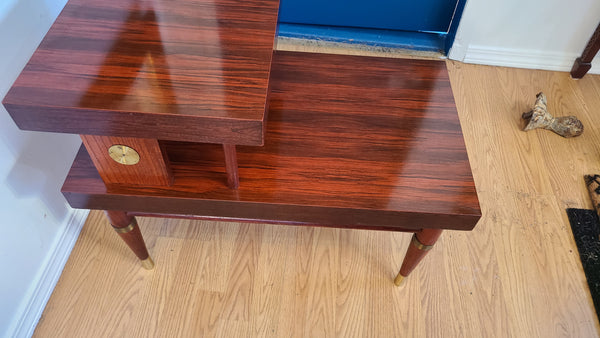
{"points": [[523, 58], [45, 284]]}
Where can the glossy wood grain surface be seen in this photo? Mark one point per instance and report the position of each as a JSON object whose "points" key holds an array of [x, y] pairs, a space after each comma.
{"points": [[152, 169], [187, 70], [358, 141]]}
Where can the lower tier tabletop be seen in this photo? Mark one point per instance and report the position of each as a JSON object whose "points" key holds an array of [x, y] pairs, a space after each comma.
{"points": [[351, 141]]}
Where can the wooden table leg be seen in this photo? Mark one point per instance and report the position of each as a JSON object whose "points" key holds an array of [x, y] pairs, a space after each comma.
{"points": [[584, 63], [126, 226], [420, 245], [231, 166]]}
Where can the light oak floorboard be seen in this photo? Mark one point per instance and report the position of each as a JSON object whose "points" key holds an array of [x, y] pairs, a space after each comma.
{"points": [[516, 275]]}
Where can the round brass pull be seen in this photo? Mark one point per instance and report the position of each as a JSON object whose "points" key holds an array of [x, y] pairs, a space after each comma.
{"points": [[123, 154]]}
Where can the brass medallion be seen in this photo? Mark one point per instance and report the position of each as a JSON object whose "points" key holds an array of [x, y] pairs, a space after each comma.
{"points": [[123, 154]]}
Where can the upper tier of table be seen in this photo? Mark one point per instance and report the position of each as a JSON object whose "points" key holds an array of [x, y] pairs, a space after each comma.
{"points": [[186, 70], [365, 142]]}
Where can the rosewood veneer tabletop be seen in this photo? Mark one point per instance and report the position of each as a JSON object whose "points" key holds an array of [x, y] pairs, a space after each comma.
{"points": [[351, 141], [186, 70]]}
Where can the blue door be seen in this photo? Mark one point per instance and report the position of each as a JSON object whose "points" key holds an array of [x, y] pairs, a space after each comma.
{"points": [[392, 17]]}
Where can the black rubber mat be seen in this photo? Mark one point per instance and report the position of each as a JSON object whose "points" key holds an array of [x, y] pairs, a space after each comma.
{"points": [[586, 229]]}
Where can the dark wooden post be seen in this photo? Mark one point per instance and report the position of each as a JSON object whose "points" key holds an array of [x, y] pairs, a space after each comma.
{"points": [[127, 228], [231, 166], [583, 64], [420, 245]]}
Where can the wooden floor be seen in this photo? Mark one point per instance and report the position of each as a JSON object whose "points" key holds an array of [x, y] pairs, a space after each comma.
{"points": [[516, 275]]}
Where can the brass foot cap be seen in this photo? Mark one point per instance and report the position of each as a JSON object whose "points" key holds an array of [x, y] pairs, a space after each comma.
{"points": [[148, 263], [399, 279]]}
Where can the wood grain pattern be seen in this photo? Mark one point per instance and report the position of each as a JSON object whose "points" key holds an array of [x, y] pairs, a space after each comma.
{"points": [[525, 182], [153, 169], [188, 70], [517, 274], [351, 141]]}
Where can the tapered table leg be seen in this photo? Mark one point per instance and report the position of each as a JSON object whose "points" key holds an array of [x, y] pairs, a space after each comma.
{"points": [[231, 165], [420, 245], [126, 226]]}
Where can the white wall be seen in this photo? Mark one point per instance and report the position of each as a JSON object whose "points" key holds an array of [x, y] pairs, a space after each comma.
{"points": [[547, 34], [37, 227]]}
